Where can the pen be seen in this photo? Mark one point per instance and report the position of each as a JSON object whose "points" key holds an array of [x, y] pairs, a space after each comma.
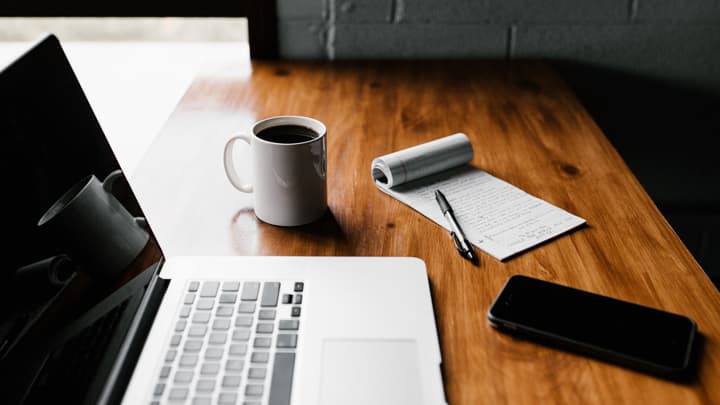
{"points": [[461, 242]]}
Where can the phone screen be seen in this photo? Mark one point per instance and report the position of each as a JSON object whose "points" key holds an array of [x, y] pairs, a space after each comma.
{"points": [[631, 331]]}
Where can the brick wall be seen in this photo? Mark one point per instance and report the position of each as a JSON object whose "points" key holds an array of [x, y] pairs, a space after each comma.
{"points": [[677, 40]]}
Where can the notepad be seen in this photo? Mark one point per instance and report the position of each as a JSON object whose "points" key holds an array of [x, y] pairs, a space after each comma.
{"points": [[497, 217]]}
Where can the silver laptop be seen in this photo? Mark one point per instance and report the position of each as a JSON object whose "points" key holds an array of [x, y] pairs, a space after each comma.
{"points": [[193, 330]]}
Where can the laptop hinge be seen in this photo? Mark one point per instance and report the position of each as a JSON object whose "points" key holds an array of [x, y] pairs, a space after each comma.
{"points": [[131, 347]]}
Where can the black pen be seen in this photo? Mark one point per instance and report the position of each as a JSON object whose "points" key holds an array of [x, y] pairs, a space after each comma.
{"points": [[461, 243]]}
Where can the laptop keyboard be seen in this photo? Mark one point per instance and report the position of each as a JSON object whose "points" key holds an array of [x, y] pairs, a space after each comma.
{"points": [[233, 343]]}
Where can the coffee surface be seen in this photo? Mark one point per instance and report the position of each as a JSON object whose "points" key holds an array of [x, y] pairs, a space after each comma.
{"points": [[287, 134]]}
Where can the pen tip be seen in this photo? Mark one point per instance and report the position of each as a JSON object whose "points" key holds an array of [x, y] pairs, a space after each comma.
{"points": [[473, 257]]}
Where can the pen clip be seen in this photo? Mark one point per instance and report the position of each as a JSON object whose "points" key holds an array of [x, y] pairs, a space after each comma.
{"points": [[458, 244]]}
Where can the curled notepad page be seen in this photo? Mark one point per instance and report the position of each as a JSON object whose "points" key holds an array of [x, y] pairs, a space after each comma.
{"points": [[422, 160], [496, 216]]}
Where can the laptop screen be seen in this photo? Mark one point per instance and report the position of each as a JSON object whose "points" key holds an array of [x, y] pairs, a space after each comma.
{"points": [[74, 226]]}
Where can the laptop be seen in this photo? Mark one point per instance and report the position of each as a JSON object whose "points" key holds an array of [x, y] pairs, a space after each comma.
{"points": [[192, 330]]}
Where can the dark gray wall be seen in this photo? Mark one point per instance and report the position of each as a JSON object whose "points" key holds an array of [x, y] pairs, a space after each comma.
{"points": [[665, 39]]}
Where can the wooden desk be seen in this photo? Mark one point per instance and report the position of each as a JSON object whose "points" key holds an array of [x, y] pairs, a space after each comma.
{"points": [[527, 128]]}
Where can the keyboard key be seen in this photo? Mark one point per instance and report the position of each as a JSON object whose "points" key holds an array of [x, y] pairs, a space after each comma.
{"points": [[193, 345], [205, 304], [262, 342], [205, 385], [289, 324], [298, 299], [270, 294], [234, 365], [159, 388], [238, 349], [197, 331], [228, 298], [286, 299], [224, 310], [259, 357], [213, 353], [243, 320], [264, 327], [217, 338], [183, 376], [231, 381], [266, 314], [299, 286], [185, 311], [189, 360], [175, 340], [201, 401], [210, 369], [227, 398], [232, 286], [286, 341], [250, 291], [178, 394], [170, 356], [254, 390], [209, 289], [295, 311], [251, 403], [193, 286], [189, 298], [201, 317], [241, 335], [165, 372], [257, 373], [246, 308], [282, 377], [180, 325], [221, 324]]}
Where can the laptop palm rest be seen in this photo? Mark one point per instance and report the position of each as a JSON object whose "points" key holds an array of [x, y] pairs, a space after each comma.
{"points": [[370, 371]]}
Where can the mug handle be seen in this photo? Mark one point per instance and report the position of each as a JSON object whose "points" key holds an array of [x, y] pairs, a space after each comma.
{"points": [[230, 165], [107, 185], [111, 178]]}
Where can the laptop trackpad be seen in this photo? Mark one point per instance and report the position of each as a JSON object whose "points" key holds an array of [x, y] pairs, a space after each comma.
{"points": [[370, 371]]}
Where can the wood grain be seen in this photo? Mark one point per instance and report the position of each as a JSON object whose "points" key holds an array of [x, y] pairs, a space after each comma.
{"points": [[526, 127]]}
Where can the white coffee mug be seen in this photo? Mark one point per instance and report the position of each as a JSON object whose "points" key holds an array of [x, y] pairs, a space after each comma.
{"points": [[289, 175], [94, 228]]}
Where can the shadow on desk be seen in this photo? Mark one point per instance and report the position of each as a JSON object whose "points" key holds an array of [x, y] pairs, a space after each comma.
{"points": [[666, 133]]}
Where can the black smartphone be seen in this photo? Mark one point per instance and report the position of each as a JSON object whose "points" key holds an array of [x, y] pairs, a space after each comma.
{"points": [[632, 335]]}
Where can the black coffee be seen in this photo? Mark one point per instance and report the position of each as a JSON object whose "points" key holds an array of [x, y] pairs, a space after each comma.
{"points": [[287, 134]]}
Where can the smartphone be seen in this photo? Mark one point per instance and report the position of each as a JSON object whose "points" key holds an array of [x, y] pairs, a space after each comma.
{"points": [[632, 335]]}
